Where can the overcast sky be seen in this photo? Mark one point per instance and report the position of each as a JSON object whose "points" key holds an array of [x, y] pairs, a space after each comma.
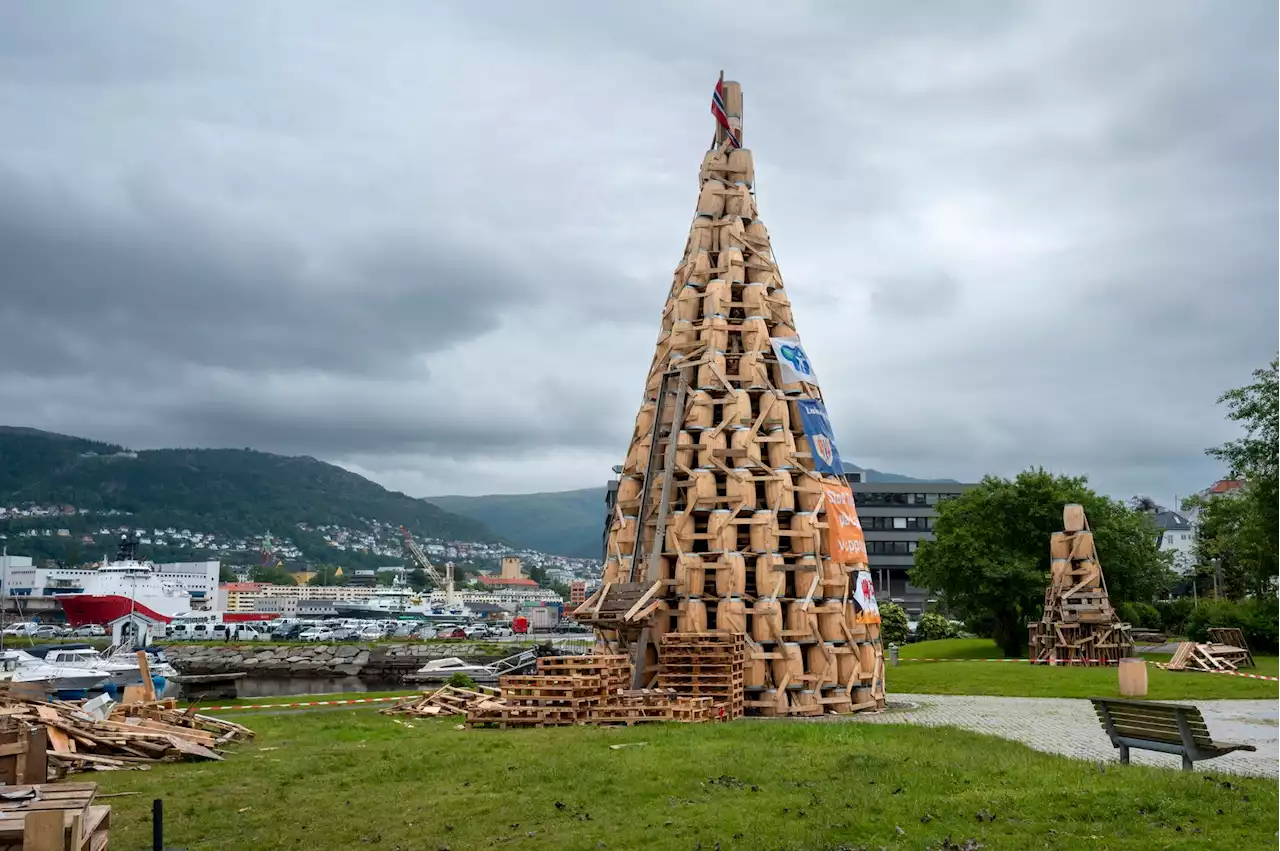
{"points": [[432, 244]]}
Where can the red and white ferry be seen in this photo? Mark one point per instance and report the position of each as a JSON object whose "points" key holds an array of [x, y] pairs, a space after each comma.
{"points": [[128, 585]]}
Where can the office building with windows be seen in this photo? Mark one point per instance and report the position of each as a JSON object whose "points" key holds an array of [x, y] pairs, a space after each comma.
{"points": [[895, 518]]}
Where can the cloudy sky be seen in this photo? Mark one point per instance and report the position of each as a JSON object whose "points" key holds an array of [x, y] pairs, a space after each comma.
{"points": [[431, 242]]}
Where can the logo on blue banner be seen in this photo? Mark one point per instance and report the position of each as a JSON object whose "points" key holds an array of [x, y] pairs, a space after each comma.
{"points": [[817, 427]]}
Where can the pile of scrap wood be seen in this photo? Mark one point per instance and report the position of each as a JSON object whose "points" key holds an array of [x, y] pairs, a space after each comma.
{"points": [[103, 736], [61, 817], [447, 700], [1207, 657]]}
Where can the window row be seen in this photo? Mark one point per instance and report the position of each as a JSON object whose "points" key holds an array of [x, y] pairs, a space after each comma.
{"points": [[875, 498], [882, 524], [891, 548]]}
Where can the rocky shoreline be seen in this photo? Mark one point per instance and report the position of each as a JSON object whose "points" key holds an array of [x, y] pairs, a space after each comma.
{"points": [[374, 661]]}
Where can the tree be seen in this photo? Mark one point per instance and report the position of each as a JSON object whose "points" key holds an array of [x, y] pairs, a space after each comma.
{"points": [[418, 579], [272, 574], [894, 626], [1239, 532], [226, 574], [990, 559], [1145, 505]]}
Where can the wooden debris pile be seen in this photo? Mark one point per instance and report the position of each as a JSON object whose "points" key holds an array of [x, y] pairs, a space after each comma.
{"points": [[446, 700], [1079, 625], [1191, 656], [130, 736], [62, 817]]}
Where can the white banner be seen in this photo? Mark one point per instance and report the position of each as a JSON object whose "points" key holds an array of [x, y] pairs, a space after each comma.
{"points": [[793, 360], [864, 593]]}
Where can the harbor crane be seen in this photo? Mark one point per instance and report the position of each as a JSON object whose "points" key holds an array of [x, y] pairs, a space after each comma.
{"points": [[444, 583]]}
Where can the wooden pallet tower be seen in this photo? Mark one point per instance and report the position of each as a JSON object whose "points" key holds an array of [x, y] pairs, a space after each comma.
{"points": [[1079, 625], [733, 514]]}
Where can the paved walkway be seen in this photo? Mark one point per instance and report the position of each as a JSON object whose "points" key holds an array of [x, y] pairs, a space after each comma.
{"points": [[1070, 727]]}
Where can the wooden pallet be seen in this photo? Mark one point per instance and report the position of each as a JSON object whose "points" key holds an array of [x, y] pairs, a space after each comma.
{"points": [[1207, 657], [1233, 637], [47, 817]]}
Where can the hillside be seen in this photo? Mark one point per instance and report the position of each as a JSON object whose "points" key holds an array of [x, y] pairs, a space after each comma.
{"points": [[568, 523], [232, 492]]}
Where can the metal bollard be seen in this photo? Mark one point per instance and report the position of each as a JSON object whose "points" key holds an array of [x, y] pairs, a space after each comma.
{"points": [[893, 655]]}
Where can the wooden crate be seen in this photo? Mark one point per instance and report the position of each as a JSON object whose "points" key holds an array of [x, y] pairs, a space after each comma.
{"points": [[49, 817]]}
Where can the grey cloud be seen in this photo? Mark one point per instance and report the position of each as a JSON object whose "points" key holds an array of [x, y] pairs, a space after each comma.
{"points": [[433, 242]]}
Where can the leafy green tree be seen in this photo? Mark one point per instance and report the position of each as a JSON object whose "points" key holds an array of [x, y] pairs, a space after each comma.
{"points": [[933, 626], [1239, 532], [418, 579], [226, 574], [990, 559], [272, 574], [894, 627]]}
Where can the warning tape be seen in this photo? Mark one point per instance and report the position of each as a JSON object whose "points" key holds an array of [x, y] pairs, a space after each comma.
{"points": [[300, 705], [1087, 663]]}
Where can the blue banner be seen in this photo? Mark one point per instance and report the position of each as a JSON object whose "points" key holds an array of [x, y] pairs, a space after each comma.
{"points": [[822, 443]]}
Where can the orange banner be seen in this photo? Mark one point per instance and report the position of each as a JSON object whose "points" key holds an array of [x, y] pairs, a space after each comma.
{"points": [[844, 532]]}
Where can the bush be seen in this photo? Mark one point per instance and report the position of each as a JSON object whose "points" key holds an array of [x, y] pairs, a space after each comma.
{"points": [[1142, 615], [1256, 618], [1173, 615], [893, 623], [461, 680], [933, 626]]}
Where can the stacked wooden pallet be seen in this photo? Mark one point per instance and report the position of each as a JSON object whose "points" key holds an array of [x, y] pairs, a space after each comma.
{"points": [[705, 665], [613, 669], [130, 735], [60, 817], [1233, 637], [733, 513], [1079, 625], [541, 701], [1191, 656], [446, 700]]}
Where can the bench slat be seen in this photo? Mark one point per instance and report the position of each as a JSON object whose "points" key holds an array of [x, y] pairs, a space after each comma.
{"points": [[1153, 720]]}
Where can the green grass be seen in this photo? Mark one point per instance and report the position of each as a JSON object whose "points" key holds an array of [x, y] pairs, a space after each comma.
{"points": [[352, 780], [307, 698], [1019, 679]]}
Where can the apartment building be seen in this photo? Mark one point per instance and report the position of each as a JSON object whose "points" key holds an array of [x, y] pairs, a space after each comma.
{"points": [[895, 519]]}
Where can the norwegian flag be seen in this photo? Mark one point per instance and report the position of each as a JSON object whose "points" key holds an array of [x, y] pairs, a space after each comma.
{"points": [[722, 117]]}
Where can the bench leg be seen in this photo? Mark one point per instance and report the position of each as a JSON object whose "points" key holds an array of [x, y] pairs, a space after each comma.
{"points": [[1186, 762], [1124, 754]]}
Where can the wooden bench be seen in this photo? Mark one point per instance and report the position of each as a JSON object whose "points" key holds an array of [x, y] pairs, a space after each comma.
{"points": [[1164, 727]]}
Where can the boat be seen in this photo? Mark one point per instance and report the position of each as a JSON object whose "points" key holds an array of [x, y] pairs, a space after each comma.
{"points": [[122, 586], [443, 669], [51, 677]]}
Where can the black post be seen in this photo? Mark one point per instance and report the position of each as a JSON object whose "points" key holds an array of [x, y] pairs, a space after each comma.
{"points": [[157, 825]]}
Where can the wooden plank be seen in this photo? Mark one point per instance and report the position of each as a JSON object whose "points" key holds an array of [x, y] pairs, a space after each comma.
{"points": [[144, 668], [44, 830]]}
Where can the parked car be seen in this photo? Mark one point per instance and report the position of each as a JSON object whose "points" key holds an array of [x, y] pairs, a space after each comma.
{"points": [[21, 629], [370, 633], [455, 632], [320, 633], [425, 633], [89, 630], [476, 630], [46, 630], [288, 632], [500, 630]]}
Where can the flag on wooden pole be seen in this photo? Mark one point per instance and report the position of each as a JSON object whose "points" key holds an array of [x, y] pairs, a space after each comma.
{"points": [[722, 117]]}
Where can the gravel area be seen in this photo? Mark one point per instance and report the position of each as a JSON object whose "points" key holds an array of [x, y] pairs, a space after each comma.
{"points": [[1070, 727]]}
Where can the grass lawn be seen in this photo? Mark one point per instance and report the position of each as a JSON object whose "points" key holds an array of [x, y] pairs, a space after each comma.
{"points": [[353, 780], [1019, 679], [311, 698]]}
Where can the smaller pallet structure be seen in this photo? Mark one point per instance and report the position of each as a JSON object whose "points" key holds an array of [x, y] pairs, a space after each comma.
{"points": [[1234, 637], [48, 817], [1079, 626], [1208, 657], [705, 664], [591, 689]]}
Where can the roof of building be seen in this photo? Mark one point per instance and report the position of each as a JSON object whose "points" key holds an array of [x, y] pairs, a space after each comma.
{"points": [[242, 586], [1226, 486], [498, 580], [1170, 521]]}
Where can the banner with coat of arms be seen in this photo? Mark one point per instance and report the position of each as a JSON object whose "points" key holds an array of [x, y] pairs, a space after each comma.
{"points": [[844, 531], [864, 594], [817, 427]]}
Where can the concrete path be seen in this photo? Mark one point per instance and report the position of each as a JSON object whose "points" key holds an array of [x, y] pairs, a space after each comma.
{"points": [[1070, 727]]}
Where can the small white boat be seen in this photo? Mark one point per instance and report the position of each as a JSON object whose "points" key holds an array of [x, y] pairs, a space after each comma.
{"points": [[444, 668]]}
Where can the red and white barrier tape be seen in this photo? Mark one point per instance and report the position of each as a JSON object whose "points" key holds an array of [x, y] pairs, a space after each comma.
{"points": [[1089, 663], [300, 705]]}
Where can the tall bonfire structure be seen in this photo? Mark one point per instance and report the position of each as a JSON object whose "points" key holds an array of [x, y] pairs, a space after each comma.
{"points": [[733, 514], [1079, 626]]}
